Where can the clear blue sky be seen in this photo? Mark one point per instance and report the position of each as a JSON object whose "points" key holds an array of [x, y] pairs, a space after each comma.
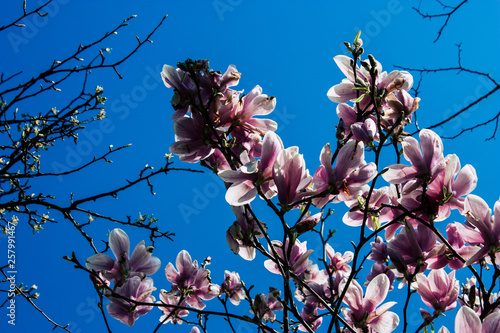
{"points": [[286, 47]]}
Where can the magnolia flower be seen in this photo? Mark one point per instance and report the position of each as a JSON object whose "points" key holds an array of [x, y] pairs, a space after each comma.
{"points": [[298, 261], [376, 214], [233, 287], [141, 263], [365, 131], [399, 105], [413, 248], [350, 118], [468, 321], [291, 176], [486, 233], [438, 290], [191, 281], [192, 142], [310, 315], [426, 160], [240, 235], [137, 290], [172, 314], [344, 91], [263, 307], [379, 251], [450, 185], [239, 114], [378, 269], [242, 189], [363, 313], [347, 178], [339, 262]]}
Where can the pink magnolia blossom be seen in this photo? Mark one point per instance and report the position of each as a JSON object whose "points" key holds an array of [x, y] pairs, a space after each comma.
{"points": [[291, 176], [192, 140], [484, 231], [364, 312], [376, 215], [458, 243], [365, 131], [307, 222], [299, 255], [137, 290], [413, 248], [263, 307], [379, 251], [240, 235], [349, 176], [426, 158], [191, 281], [239, 113], [378, 269], [343, 92], [242, 190], [399, 104], [449, 187], [468, 321], [350, 118], [438, 290], [140, 264], [310, 315], [321, 289], [171, 313], [339, 262], [233, 287]]}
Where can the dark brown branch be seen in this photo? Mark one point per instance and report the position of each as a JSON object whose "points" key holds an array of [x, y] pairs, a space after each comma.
{"points": [[445, 14]]}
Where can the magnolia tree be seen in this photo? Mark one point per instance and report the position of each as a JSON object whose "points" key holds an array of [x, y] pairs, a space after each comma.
{"points": [[399, 212]]}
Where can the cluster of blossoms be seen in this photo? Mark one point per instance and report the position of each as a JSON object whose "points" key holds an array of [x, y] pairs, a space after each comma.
{"points": [[217, 126], [132, 288]]}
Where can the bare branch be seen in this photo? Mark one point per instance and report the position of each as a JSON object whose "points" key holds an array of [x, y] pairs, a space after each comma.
{"points": [[452, 10]]}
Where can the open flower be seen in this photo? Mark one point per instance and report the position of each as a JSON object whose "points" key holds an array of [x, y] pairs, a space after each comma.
{"points": [[486, 233], [438, 290], [141, 263], [449, 187], [364, 312], [191, 281], [137, 290], [242, 189], [233, 287], [426, 160], [344, 91], [347, 179], [263, 307], [299, 255]]}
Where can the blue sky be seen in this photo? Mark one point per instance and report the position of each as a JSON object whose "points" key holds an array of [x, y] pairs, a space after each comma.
{"points": [[286, 47]]}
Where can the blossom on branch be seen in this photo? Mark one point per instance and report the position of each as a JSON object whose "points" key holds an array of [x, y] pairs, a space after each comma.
{"points": [[364, 312], [137, 290], [191, 282], [140, 264]]}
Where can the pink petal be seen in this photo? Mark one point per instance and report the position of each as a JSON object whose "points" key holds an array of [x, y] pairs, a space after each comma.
{"points": [[467, 321], [349, 158], [432, 147], [387, 322], [241, 193], [119, 243], [376, 292], [491, 323], [271, 147]]}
